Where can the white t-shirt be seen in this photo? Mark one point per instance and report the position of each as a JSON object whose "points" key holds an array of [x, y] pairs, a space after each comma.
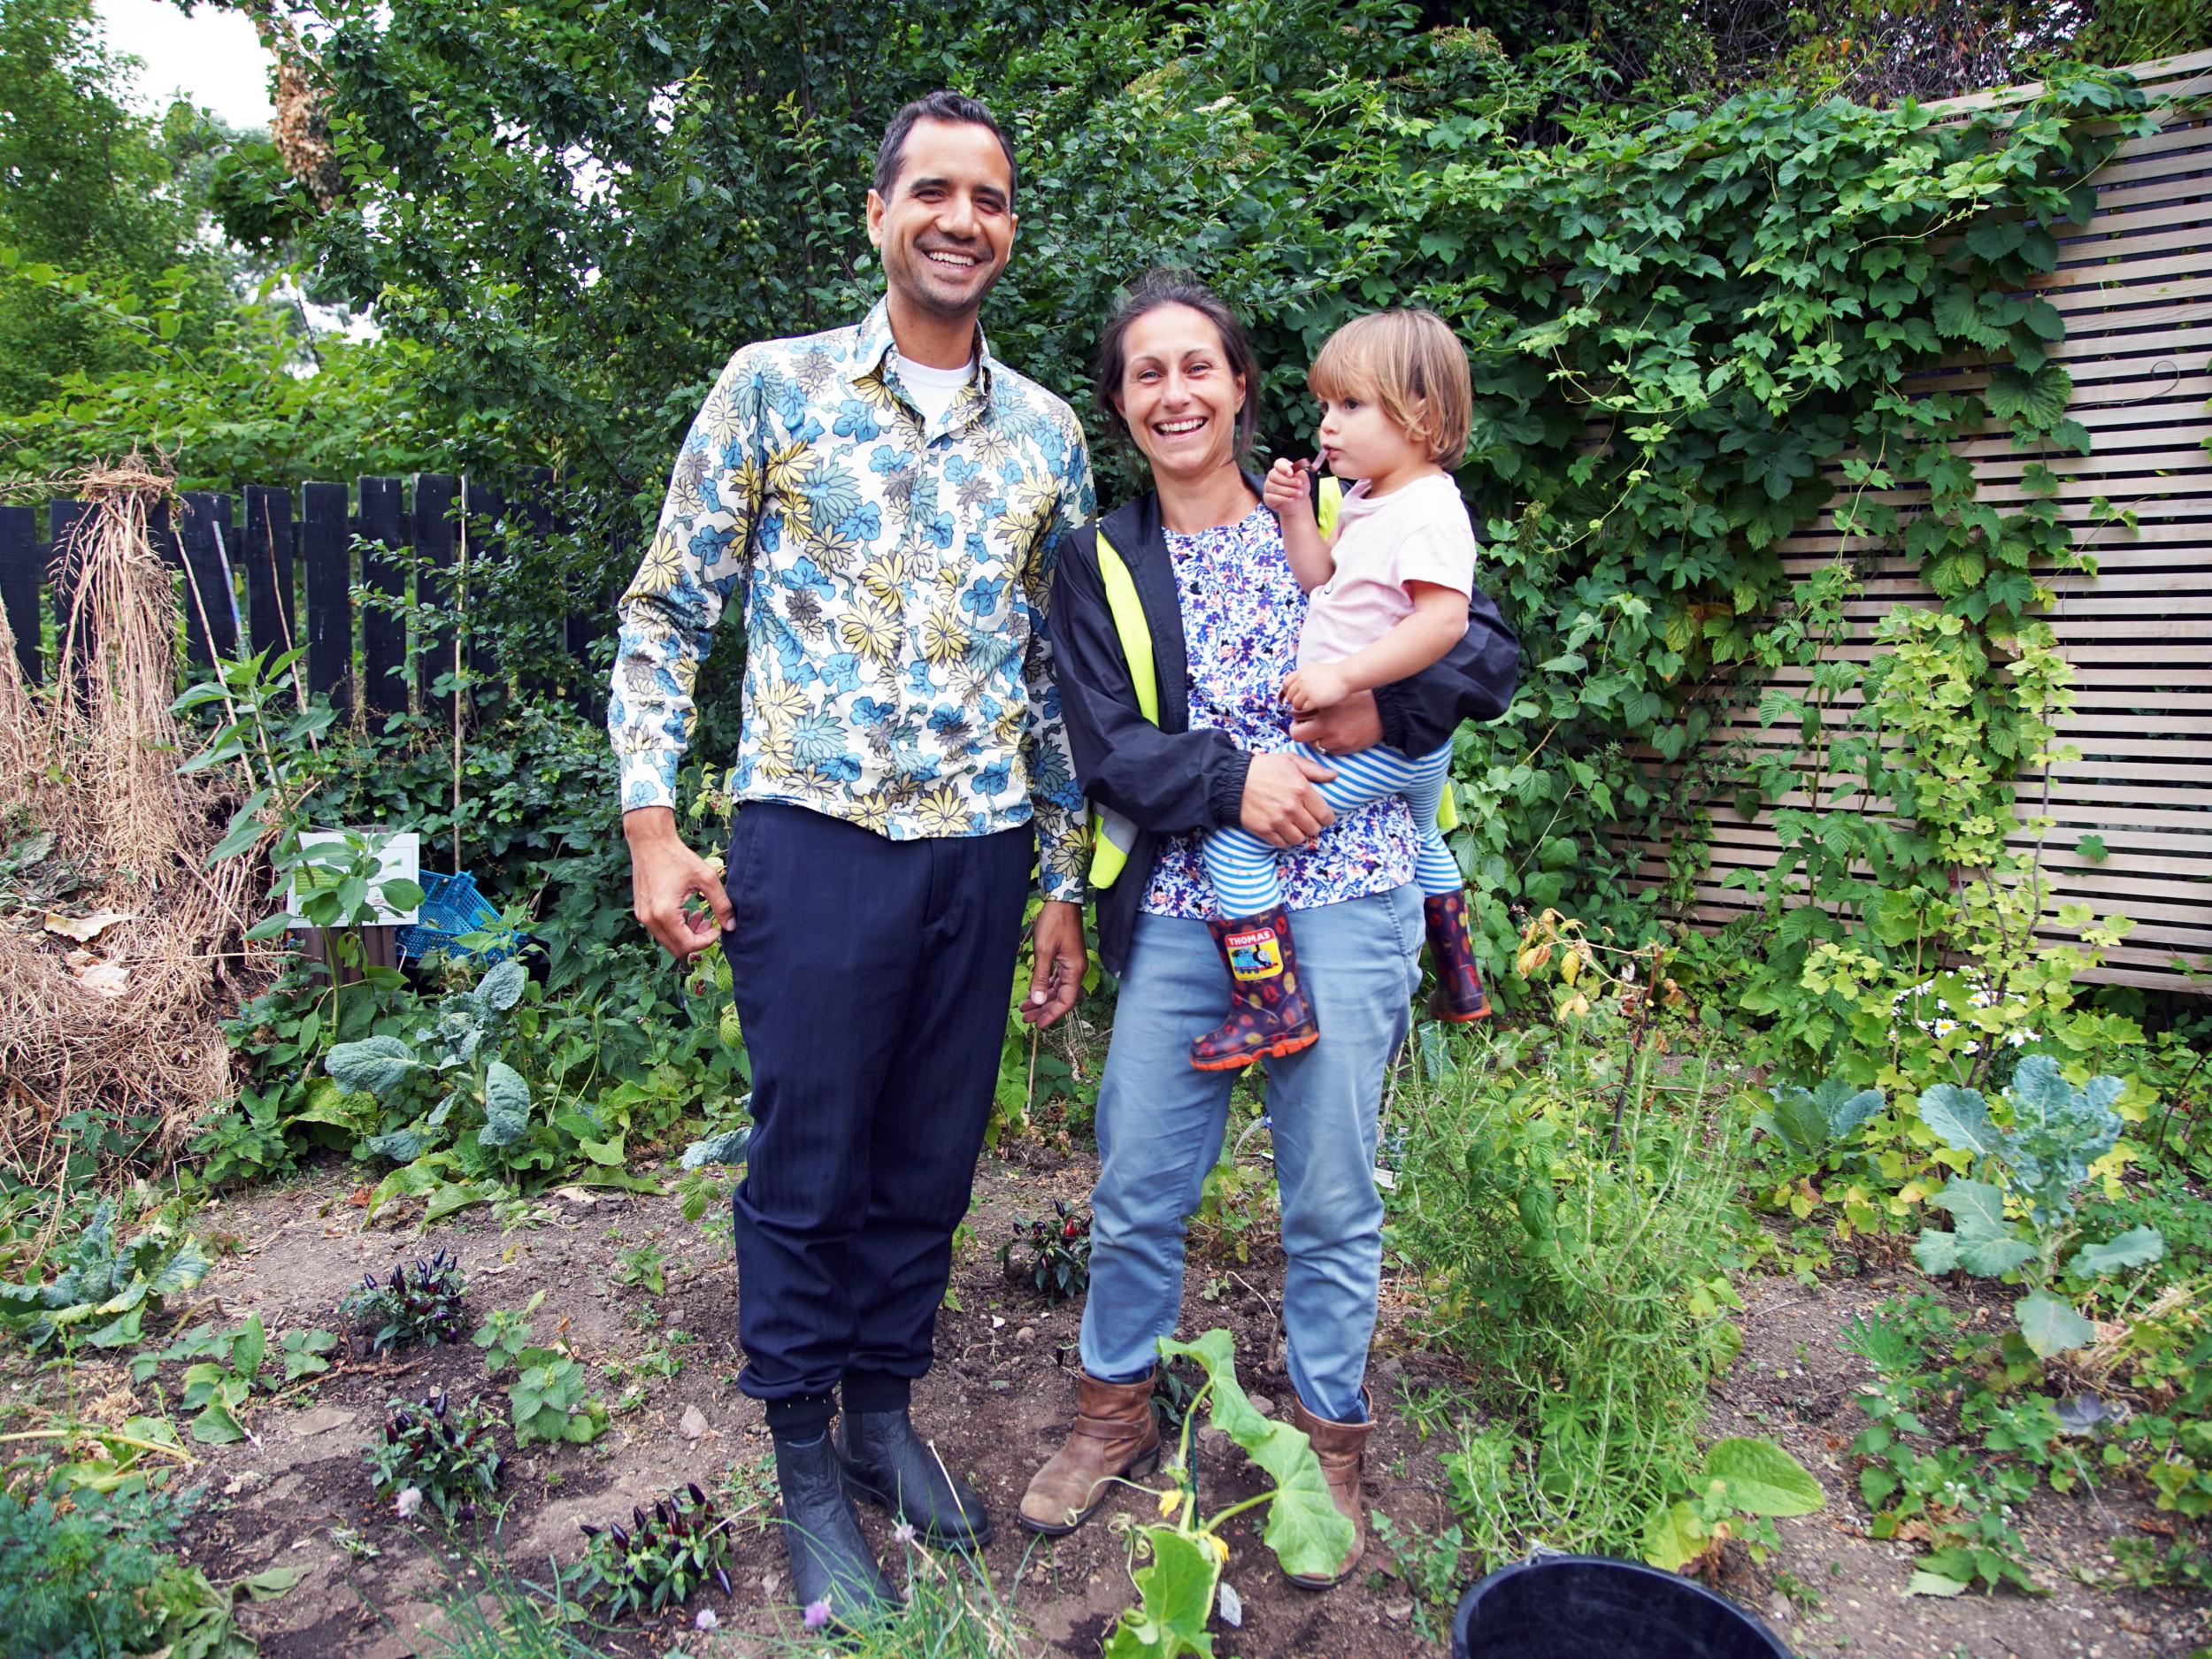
{"points": [[933, 390], [1418, 532]]}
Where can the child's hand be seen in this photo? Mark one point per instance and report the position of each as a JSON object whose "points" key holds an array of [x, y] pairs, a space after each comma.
{"points": [[1284, 488], [1320, 685]]}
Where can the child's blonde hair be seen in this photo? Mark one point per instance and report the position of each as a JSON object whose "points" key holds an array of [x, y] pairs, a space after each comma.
{"points": [[1410, 362]]}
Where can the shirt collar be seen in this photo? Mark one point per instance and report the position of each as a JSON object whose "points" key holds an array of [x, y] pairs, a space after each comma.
{"points": [[872, 347]]}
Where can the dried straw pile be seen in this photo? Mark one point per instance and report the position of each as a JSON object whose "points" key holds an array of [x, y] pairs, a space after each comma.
{"points": [[93, 758]]}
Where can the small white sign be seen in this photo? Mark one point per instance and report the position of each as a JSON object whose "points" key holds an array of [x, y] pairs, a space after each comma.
{"points": [[398, 857]]}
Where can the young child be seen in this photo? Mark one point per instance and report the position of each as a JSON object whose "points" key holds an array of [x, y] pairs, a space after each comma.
{"points": [[1390, 592]]}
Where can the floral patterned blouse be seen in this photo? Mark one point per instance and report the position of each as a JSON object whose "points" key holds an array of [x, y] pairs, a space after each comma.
{"points": [[1242, 609]]}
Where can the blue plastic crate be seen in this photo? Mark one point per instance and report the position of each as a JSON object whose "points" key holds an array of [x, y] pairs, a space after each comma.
{"points": [[451, 906]]}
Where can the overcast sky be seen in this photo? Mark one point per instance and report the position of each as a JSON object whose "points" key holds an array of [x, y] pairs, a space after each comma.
{"points": [[212, 57]]}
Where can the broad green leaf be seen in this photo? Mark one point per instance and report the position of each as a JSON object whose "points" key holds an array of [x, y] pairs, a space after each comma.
{"points": [[501, 989], [1844, 1107], [1176, 1597], [1979, 1207], [1960, 1117], [269, 1583], [729, 1146], [1762, 1478], [374, 1065], [2137, 1247], [1993, 1257], [402, 1146], [186, 1268], [217, 1425], [1926, 1583], [2050, 1326], [506, 1105], [1305, 1529], [249, 1347], [1674, 1536], [606, 1153]]}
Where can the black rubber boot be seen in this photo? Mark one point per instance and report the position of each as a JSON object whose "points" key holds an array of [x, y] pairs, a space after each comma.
{"points": [[885, 1463], [830, 1561]]}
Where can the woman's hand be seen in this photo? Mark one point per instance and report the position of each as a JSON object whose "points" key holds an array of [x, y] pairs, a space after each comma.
{"points": [[1342, 728], [1316, 685], [1280, 804]]}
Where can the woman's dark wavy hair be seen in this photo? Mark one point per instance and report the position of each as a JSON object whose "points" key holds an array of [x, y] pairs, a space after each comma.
{"points": [[1163, 285]]}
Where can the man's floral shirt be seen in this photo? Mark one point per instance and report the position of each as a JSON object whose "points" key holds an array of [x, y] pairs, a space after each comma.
{"points": [[1242, 610], [893, 580]]}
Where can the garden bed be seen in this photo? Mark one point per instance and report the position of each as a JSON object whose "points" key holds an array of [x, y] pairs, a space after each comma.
{"points": [[297, 1494]]}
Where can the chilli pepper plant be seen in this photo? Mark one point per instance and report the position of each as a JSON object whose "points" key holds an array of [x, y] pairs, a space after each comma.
{"points": [[419, 1306], [661, 1558], [1051, 1255], [445, 1453]]}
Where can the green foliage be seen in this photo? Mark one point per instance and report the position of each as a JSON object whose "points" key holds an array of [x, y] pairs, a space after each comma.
{"points": [[96, 1279], [1574, 1217], [1051, 1255], [1743, 1483], [1429, 1568], [93, 187], [422, 1305], [505, 1334], [86, 1574], [550, 1401], [2036, 1162], [1176, 1587], [644, 1266], [664, 1554], [446, 1455]]}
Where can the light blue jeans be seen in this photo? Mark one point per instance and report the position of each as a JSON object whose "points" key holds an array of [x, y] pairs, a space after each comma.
{"points": [[1160, 1127]]}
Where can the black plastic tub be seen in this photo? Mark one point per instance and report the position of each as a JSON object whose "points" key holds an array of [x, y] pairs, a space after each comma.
{"points": [[1591, 1606]]}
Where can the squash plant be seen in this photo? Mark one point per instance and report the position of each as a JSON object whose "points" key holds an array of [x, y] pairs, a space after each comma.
{"points": [[1178, 1586]]}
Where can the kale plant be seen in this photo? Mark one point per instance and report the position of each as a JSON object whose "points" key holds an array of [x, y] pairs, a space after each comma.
{"points": [[2014, 1214], [98, 1280]]}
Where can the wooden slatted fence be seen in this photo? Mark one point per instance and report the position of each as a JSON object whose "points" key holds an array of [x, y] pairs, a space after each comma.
{"points": [[254, 567], [2135, 287]]}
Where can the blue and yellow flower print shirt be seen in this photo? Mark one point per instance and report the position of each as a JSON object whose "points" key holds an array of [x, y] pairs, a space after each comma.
{"points": [[892, 579]]}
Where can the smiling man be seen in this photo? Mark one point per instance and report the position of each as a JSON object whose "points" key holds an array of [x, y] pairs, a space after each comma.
{"points": [[884, 503]]}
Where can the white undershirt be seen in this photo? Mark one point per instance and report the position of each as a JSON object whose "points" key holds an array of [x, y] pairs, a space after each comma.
{"points": [[933, 390]]}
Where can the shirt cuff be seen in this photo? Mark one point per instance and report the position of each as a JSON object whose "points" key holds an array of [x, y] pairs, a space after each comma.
{"points": [[648, 779], [1228, 799], [1391, 711]]}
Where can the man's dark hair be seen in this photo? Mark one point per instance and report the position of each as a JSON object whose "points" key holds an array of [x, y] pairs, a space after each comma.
{"points": [[938, 106], [1163, 285]]}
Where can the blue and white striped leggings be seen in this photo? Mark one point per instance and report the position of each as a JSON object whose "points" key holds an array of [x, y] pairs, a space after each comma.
{"points": [[1242, 866]]}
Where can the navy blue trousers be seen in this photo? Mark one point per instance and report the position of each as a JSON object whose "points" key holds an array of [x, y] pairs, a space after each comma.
{"points": [[872, 978]]}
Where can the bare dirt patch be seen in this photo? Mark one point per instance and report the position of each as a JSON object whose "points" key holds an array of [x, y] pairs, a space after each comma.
{"points": [[996, 1404]]}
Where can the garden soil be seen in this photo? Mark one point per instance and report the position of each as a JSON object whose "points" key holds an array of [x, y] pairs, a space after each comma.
{"points": [[999, 1398]]}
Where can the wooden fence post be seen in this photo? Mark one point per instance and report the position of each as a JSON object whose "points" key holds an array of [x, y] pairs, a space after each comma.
{"points": [[266, 546], [383, 633], [211, 597], [21, 558], [327, 549]]}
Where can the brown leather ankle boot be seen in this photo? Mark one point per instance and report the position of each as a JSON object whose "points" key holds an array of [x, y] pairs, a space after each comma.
{"points": [[1269, 1013], [1341, 1448], [1114, 1433]]}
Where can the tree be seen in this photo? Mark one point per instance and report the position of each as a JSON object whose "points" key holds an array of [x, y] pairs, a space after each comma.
{"points": [[90, 186]]}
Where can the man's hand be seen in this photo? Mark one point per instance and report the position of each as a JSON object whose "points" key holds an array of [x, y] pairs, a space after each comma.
{"points": [[1057, 942], [1316, 686], [1280, 804], [664, 874], [1343, 729]]}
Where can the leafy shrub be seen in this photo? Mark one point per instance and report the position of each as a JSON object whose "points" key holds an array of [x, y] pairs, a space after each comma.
{"points": [[2036, 1163], [87, 1574], [444, 1453], [1581, 1261], [664, 1554], [424, 1305]]}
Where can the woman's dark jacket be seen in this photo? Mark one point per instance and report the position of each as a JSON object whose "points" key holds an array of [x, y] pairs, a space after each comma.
{"points": [[1171, 781]]}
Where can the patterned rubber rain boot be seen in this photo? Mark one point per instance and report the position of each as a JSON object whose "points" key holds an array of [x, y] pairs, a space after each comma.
{"points": [[1459, 994], [1270, 1014]]}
